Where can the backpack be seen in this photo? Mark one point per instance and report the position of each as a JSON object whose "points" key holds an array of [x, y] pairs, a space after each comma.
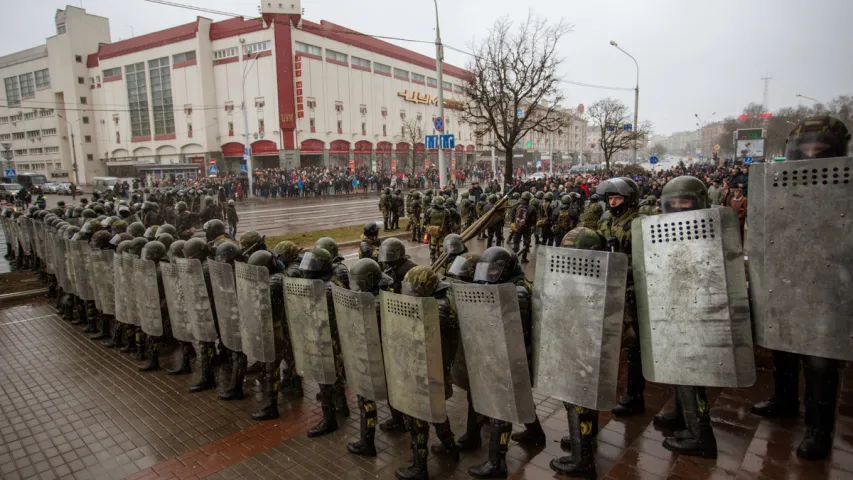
{"points": [[563, 219], [521, 217]]}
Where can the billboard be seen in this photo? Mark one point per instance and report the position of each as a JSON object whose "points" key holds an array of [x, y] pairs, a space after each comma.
{"points": [[750, 148]]}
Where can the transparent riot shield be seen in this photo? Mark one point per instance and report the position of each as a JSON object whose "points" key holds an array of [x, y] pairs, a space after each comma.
{"points": [[79, 254], [199, 310], [176, 303], [120, 307], [361, 347], [147, 294], [253, 296], [225, 300], [102, 266], [310, 329], [128, 284]]}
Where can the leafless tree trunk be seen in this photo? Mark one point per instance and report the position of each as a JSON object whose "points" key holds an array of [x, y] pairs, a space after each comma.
{"points": [[610, 116], [515, 88], [413, 134]]}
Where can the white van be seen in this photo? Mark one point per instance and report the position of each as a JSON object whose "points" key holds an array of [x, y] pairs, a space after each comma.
{"points": [[102, 184]]}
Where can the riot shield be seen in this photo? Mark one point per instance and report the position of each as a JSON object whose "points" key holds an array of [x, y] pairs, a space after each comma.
{"points": [[120, 307], [147, 295], [225, 301], [495, 356], [61, 275], [578, 307], [79, 256], [691, 299], [253, 297], [69, 268], [361, 346], [47, 247], [24, 234], [102, 270], [799, 247], [36, 226], [310, 329], [128, 283], [175, 302], [411, 348], [191, 275]]}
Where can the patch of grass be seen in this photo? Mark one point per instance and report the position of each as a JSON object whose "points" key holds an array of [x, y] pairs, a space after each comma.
{"points": [[14, 282], [342, 234]]}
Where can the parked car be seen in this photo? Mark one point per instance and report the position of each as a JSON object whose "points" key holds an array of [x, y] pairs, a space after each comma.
{"points": [[9, 190], [539, 175], [49, 187], [64, 188]]}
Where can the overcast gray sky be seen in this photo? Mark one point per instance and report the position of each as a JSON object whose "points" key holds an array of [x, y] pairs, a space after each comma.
{"points": [[695, 56]]}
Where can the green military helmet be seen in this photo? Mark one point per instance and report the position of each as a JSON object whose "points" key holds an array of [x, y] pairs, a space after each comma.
{"points": [[364, 275], [91, 226], [391, 250], [420, 281], [329, 244], [684, 193], [398, 191], [108, 222], [150, 233], [318, 260], [526, 197], [208, 201], [492, 198], [214, 229], [98, 208], [249, 238], [263, 258], [819, 136], [147, 206], [438, 202], [166, 228], [137, 229], [165, 238], [100, 240], [566, 200], [181, 206], [652, 200], [387, 191], [89, 213], [154, 251], [540, 195], [465, 195], [416, 195], [136, 245], [463, 267], [549, 196], [176, 249], [515, 196], [449, 202], [196, 248], [119, 226], [286, 251], [76, 213], [453, 244], [227, 252], [124, 246], [584, 239]]}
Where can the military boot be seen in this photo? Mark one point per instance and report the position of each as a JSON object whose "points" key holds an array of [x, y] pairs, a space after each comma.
{"points": [[785, 401], [140, 345], [447, 447], [365, 446], [633, 402], [117, 339], [207, 380], [566, 442], [821, 396], [396, 423], [185, 366], [129, 340], [329, 423], [293, 387], [270, 410], [495, 466], [238, 373], [105, 328], [341, 405], [471, 439], [533, 435], [153, 355], [581, 462], [91, 318], [80, 312], [672, 420], [418, 469], [698, 438]]}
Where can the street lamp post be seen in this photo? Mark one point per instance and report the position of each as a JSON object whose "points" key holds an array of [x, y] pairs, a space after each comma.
{"points": [[73, 147], [636, 93], [810, 98], [247, 150], [439, 56], [702, 127]]}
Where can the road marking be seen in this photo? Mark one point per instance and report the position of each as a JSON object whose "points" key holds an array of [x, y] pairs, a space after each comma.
{"points": [[305, 207]]}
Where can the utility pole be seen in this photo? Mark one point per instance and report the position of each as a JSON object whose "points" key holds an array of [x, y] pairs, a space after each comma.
{"points": [[439, 56], [74, 153], [766, 91], [247, 151]]}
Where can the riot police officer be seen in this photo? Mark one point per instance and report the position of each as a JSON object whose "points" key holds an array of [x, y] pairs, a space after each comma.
{"points": [[369, 246], [176, 250], [592, 212], [523, 224], [196, 248], [395, 262], [436, 220], [287, 257], [385, 206], [396, 209], [543, 224], [562, 220], [229, 252], [415, 218], [156, 251], [495, 230]]}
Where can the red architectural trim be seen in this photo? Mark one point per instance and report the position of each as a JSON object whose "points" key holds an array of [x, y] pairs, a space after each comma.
{"points": [[448, 89], [363, 146], [339, 146], [112, 79], [469, 148], [382, 73], [233, 149], [265, 53], [310, 55], [337, 62], [164, 136], [383, 147], [92, 87], [152, 40], [188, 63], [418, 82], [223, 61], [264, 147], [359, 67], [144, 138], [234, 26], [351, 37], [402, 147], [284, 73], [432, 86], [312, 146], [92, 60]]}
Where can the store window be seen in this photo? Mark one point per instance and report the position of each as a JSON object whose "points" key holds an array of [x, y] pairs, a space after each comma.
{"points": [[159, 72]]}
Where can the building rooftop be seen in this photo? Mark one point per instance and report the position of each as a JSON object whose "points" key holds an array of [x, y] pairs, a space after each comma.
{"points": [[23, 56]]}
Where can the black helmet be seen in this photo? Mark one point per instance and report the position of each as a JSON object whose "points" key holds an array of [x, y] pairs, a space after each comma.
{"points": [[136, 245], [137, 229], [100, 240], [166, 228], [387, 191], [624, 187], [371, 229], [398, 191], [391, 250], [154, 251], [89, 213], [124, 211], [463, 267], [684, 193], [195, 248], [213, 229], [227, 252], [329, 244], [593, 198], [176, 249], [165, 238], [453, 244], [262, 258], [318, 260], [364, 275], [495, 263], [817, 137]]}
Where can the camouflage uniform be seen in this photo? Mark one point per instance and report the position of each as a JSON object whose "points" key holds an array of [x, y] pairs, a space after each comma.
{"points": [[385, 205], [437, 221], [592, 213]]}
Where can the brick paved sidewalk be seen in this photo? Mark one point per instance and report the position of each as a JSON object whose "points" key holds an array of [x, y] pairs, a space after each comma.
{"points": [[74, 409]]}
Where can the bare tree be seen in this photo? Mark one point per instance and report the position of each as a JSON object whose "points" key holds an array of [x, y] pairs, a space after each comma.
{"points": [[515, 89], [413, 133], [610, 116]]}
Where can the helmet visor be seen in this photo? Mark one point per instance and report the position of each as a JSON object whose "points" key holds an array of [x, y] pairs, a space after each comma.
{"points": [[488, 272], [461, 269], [311, 263], [361, 283], [680, 203]]}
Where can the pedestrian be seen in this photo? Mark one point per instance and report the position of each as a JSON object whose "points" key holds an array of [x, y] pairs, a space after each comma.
{"points": [[739, 203]]}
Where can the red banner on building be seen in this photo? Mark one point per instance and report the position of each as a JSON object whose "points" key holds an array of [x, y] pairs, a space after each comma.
{"points": [[393, 165]]}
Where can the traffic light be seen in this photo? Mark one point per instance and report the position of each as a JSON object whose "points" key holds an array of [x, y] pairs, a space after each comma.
{"points": [[529, 144], [715, 155]]}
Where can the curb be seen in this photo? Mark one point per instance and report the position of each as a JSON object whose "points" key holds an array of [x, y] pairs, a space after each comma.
{"points": [[352, 243], [23, 295]]}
